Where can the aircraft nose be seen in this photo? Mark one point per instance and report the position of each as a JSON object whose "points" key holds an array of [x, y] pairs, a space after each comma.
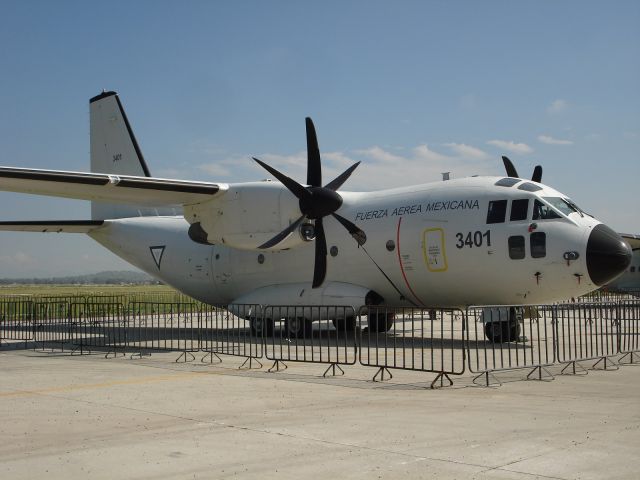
{"points": [[607, 255]]}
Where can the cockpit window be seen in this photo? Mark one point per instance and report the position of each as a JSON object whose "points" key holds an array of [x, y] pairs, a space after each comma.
{"points": [[519, 209], [542, 211], [566, 207], [529, 187], [507, 182], [497, 211]]}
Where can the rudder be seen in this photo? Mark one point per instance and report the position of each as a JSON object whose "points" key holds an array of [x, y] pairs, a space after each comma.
{"points": [[114, 150]]}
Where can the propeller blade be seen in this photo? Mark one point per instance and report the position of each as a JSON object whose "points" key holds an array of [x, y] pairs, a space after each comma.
{"points": [[283, 234], [293, 186], [537, 174], [337, 182], [355, 232], [320, 266], [511, 170], [314, 169]]}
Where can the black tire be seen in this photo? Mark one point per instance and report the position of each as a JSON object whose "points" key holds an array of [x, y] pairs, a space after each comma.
{"points": [[502, 332], [299, 327], [380, 322], [344, 324], [261, 327]]}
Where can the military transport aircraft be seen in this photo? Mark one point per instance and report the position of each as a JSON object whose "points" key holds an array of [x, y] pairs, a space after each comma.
{"points": [[478, 240]]}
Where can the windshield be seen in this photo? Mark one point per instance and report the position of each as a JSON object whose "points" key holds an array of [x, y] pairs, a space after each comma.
{"points": [[565, 206]]}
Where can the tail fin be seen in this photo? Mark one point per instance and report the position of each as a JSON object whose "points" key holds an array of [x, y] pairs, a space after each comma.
{"points": [[115, 150]]}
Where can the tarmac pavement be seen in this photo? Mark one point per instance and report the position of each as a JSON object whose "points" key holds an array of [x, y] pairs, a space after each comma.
{"points": [[86, 416]]}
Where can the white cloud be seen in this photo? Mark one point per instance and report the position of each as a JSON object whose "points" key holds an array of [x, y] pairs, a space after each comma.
{"points": [[467, 151], [553, 141], [382, 167], [423, 152], [386, 169], [17, 259], [557, 106], [512, 147], [215, 169], [379, 154]]}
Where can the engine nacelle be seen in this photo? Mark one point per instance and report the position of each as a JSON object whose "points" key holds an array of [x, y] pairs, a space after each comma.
{"points": [[246, 216]]}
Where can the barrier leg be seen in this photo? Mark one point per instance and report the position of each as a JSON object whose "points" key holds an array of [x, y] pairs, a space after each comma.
{"points": [[573, 365], [188, 357], [543, 374], [211, 355], [250, 360], [605, 361], [380, 372], [114, 354], [441, 376], [276, 366], [333, 367], [633, 359], [487, 382]]}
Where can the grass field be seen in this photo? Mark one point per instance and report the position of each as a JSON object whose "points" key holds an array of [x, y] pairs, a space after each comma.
{"points": [[84, 290], [124, 295]]}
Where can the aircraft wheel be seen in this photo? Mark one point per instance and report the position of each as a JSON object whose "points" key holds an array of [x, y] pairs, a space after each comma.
{"points": [[299, 327], [502, 332], [380, 322], [344, 324], [261, 327]]}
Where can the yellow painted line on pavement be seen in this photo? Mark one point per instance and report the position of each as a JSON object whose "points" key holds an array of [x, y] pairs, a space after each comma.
{"points": [[115, 383]]}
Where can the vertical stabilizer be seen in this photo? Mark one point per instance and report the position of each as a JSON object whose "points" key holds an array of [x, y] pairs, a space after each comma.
{"points": [[114, 150]]}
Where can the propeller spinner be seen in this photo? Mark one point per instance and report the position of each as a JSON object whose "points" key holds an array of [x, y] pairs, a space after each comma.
{"points": [[316, 202]]}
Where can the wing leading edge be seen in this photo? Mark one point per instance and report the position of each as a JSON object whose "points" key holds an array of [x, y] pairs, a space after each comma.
{"points": [[52, 226], [148, 191]]}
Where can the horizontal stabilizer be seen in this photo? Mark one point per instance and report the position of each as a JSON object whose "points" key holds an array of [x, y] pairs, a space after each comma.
{"points": [[52, 226], [148, 191]]}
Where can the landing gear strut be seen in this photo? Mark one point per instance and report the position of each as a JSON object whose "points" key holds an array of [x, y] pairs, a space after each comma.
{"points": [[502, 325]]}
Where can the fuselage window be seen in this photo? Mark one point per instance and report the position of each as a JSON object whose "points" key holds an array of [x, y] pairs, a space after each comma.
{"points": [[516, 247], [497, 211], [538, 244], [519, 209], [543, 212], [633, 269]]}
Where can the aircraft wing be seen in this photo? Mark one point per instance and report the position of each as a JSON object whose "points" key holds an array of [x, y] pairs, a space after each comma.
{"points": [[632, 240], [55, 226], [107, 188]]}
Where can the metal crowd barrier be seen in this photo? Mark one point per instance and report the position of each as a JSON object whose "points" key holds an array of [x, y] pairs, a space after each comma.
{"points": [[96, 325], [231, 330], [51, 324], [159, 327], [413, 339], [503, 338], [587, 332], [629, 330], [16, 319], [484, 339], [317, 334]]}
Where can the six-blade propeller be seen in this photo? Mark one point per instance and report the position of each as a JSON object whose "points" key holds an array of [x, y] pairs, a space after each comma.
{"points": [[316, 202]]}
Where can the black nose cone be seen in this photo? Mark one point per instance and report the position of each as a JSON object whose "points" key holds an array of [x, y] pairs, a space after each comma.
{"points": [[607, 255]]}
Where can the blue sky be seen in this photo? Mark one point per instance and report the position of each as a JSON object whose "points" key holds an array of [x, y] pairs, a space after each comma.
{"points": [[411, 89]]}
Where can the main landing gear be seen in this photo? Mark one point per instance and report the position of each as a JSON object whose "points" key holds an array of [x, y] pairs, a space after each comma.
{"points": [[502, 324]]}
